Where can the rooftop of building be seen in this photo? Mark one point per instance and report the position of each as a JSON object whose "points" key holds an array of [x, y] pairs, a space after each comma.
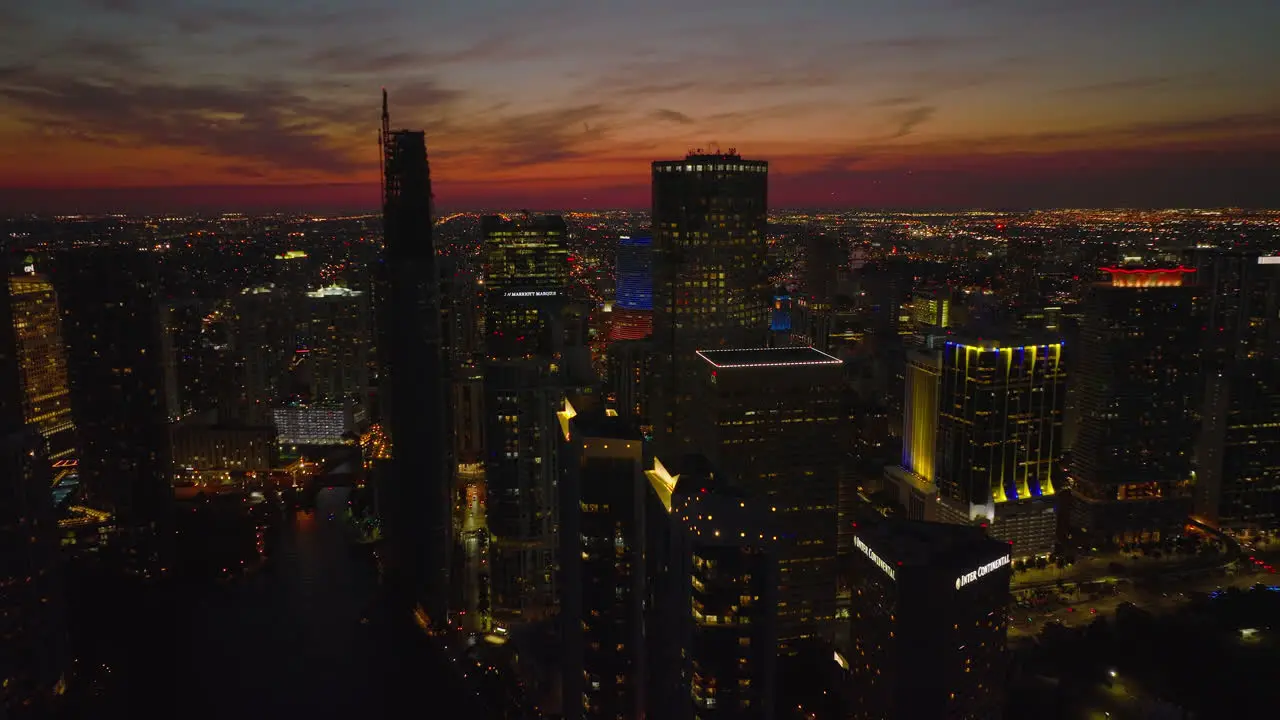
{"points": [[1004, 340], [334, 291], [920, 543], [705, 156], [767, 357]]}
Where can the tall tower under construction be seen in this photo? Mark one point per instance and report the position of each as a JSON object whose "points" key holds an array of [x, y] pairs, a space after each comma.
{"points": [[414, 494]]}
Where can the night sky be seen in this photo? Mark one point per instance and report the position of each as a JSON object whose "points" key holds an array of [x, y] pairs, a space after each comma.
{"points": [[241, 104]]}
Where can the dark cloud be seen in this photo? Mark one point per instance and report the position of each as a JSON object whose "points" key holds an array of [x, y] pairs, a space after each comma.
{"points": [[908, 120], [423, 94], [350, 59], [648, 89], [539, 137], [672, 116], [897, 101], [1127, 85], [259, 122], [194, 21], [380, 58], [120, 6], [103, 54], [1205, 130], [1163, 177]]}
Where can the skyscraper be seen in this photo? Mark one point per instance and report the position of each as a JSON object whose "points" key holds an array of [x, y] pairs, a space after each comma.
{"points": [[602, 587], [1238, 457], [416, 498], [42, 362], [34, 653], [633, 306], [1000, 438], [929, 621], [338, 338], [526, 282], [1139, 391], [111, 321], [712, 628], [629, 381], [710, 283], [774, 422]]}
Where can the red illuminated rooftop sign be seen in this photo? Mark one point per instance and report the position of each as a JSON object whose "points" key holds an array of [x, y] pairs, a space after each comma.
{"points": [[1147, 277]]}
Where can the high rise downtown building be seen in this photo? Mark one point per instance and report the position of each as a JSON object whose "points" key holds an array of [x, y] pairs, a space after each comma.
{"points": [[414, 485]]}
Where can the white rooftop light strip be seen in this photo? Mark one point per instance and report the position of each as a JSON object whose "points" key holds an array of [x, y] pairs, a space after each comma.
{"points": [[831, 360]]}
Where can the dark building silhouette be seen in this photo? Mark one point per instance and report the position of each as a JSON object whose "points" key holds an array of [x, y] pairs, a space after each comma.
{"points": [[415, 497], [112, 324], [1238, 458], [1139, 389], [711, 628], [773, 421], [710, 283], [526, 283], [602, 583], [629, 379], [929, 620], [34, 656], [33, 639]]}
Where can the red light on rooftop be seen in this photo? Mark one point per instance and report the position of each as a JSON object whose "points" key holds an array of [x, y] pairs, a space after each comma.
{"points": [[1147, 277]]}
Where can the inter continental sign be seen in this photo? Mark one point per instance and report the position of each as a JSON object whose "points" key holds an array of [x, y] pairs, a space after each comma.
{"points": [[874, 557], [982, 570]]}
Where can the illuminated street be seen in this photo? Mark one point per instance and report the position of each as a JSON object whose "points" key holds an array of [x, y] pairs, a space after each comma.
{"points": [[475, 541]]}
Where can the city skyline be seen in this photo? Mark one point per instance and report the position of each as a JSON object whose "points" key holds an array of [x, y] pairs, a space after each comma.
{"points": [[150, 105]]}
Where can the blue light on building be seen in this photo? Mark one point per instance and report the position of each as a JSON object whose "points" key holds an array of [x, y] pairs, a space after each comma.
{"points": [[635, 273], [781, 320]]}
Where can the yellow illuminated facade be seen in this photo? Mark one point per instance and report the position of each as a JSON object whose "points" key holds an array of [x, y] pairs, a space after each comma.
{"points": [[1000, 421], [920, 421], [43, 364], [931, 311]]}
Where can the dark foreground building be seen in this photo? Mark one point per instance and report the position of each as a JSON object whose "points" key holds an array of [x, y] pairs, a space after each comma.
{"points": [[929, 620], [414, 495]]}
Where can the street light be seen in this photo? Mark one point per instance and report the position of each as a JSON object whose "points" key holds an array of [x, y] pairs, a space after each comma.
{"points": [[1111, 672]]}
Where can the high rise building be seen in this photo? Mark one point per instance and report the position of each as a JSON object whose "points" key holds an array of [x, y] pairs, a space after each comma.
{"points": [[1000, 418], [914, 480], [264, 338], [34, 655], [1025, 267], [822, 259], [710, 283], [633, 306], [602, 585], [1238, 458], [774, 422], [338, 338], [712, 624], [415, 493], [112, 324], [932, 309], [42, 363], [1139, 390], [526, 280], [628, 381], [929, 621], [526, 286]]}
